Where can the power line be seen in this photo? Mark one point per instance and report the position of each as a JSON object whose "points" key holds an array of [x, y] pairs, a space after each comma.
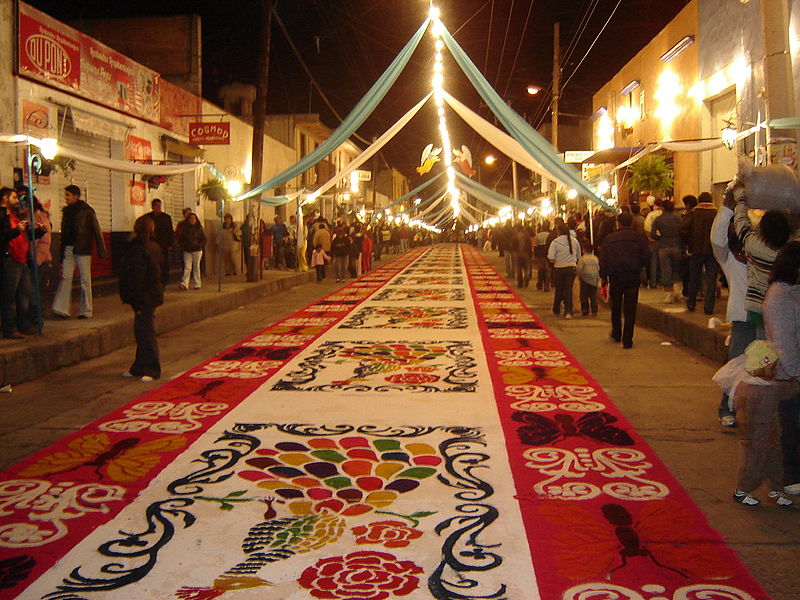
{"points": [[597, 37]]}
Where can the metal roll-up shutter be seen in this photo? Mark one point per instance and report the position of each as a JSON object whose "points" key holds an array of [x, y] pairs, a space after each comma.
{"points": [[173, 194], [95, 182]]}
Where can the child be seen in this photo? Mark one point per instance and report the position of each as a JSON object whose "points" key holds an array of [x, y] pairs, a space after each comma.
{"points": [[757, 396], [589, 276], [318, 260]]}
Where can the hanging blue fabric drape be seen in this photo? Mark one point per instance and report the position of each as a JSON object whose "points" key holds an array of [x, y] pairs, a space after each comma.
{"points": [[353, 121], [415, 191], [487, 195], [527, 136]]}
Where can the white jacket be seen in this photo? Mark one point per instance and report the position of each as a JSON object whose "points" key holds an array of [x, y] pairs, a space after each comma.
{"points": [[559, 253]]}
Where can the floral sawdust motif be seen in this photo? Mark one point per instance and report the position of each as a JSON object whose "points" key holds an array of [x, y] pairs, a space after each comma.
{"points": [[362, 576], [391, 534]]}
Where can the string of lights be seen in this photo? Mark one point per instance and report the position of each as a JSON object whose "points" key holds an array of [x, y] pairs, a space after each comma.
{"points": [[438, 99]]}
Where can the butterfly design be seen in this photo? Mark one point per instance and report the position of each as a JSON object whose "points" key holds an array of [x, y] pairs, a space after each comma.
{"points": [[123, 461], [538, 430], [660, 536]]}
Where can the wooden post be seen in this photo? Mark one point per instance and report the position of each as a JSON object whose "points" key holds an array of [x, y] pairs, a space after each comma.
{"points": [[259, 116], [556, 86]]}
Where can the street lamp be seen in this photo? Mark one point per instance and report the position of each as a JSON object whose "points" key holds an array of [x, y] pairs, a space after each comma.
{"points": [[48, 148], [490, 159], [533, 90], [728, 135]]}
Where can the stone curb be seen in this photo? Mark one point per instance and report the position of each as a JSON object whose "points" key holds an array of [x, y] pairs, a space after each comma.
{"points": [[41, 356]]}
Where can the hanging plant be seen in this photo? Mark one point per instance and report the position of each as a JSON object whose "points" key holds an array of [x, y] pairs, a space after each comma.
{"points": [[60, 163], [651, 174], [214, 190], [154, 181]]}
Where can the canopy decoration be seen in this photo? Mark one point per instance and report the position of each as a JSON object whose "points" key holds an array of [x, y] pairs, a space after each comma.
{"points": [[352, 121]]}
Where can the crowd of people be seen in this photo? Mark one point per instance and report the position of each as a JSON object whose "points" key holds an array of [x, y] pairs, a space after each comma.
{"points": [[691, 252]]}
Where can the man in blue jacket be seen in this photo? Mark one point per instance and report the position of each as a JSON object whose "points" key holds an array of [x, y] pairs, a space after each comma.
{"points": [[623, 255]]}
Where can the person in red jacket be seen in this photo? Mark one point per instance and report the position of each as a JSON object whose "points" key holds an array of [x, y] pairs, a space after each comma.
{"points": [[366, 252]]}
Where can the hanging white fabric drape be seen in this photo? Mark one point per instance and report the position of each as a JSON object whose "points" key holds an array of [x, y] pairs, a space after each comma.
{"points": [[466, 213], [373, 148], [124, 166], [432, 205], [496, 137]]}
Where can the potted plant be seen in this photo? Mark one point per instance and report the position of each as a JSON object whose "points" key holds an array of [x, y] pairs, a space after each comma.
{"points": [[214, 190], [60, 163], [651, 174]]}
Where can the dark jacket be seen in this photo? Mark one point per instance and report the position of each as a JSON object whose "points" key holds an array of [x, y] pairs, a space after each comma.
{"points": [[623, 255], [696, 228], [191, 237], [140, 282], [666, 230], [7, 233], [80, 229], [522, 243], [164, 235], [340, 246]]}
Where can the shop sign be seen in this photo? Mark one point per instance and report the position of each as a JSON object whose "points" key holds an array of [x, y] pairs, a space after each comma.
{"points": [[61, 57], [209, 133]]}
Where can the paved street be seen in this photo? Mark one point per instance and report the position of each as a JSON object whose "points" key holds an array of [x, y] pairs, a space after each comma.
{"points": [[677, 418]]}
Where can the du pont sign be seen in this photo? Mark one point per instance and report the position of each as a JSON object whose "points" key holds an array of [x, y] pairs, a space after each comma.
{"points": [[210, 133]]}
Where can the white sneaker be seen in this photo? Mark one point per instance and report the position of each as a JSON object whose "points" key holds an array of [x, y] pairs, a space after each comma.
{"points": [[568, 316], [745, 498], [146, 379], [793, 489], [780, 498], [127, 374]]}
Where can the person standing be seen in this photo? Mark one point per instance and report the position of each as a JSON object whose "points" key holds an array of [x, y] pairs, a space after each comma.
{"points": [[164, 235], [781, 310], [666, 230], [230, 238], [366, 252], [141, 286], [192, 240], [696, 233], [16, 279], [652, 273], [623, 255], [521, 246], [279, 234], [540, 254], [80, 231], [564, 253], [589, 278], [318, 259], [340, 248]]}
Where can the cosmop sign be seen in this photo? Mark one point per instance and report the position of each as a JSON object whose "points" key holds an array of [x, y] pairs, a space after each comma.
{"points": [[209, 133]]}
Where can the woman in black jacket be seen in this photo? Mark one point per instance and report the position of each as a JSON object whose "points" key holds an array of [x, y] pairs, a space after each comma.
{"points": [[140, 285], [191, 240]]}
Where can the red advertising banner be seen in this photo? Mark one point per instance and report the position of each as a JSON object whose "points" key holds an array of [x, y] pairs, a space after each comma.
{"points": [[210, 133], [138, 193], [175, 102], [61, 57], [139, 150]]}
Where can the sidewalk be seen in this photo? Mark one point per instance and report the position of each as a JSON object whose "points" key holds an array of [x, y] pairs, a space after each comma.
{"points": [[671, 320], [68, 342]]}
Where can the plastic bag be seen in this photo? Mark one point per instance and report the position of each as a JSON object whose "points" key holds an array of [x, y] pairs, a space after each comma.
{"points": [[604, 293], [730, 374], [773, 187]]}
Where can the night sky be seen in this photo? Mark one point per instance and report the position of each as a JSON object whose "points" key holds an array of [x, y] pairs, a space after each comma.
{"points": [[347, 44]]}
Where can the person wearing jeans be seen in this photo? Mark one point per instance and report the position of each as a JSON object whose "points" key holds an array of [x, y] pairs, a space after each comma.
{"points": [[79, 232], [695, 230], [192, 240], [564, 253]]}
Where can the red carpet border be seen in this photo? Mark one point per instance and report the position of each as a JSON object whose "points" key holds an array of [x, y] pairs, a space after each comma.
{"points": [[604, 517]]}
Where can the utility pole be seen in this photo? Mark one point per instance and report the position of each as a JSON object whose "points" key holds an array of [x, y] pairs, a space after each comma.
{"points": [[259, 116], [778, 73], [374, 183], [556, 85]]}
